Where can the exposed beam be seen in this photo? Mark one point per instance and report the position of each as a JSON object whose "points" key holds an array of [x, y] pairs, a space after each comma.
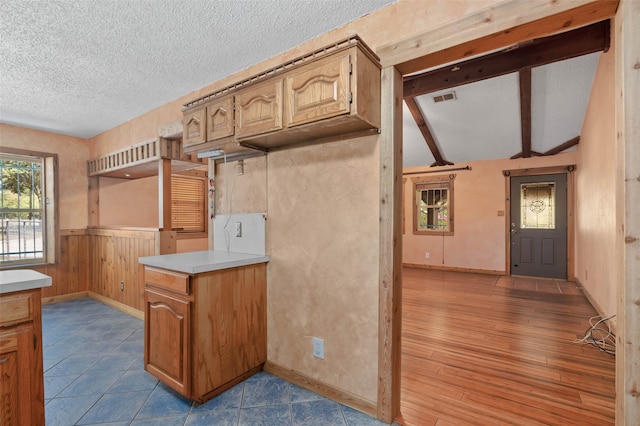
{"points": [[568, 144], [504, 24], [426, 133], [590, 39], [525, 111], [533, 154]]}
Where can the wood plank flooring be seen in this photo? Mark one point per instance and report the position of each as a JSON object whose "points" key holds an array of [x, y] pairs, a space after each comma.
{"points": [[489, 350]]}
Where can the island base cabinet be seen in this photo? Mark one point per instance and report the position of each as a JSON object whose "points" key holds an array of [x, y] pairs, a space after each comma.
{"points": [[21, 369], [204, 340]]}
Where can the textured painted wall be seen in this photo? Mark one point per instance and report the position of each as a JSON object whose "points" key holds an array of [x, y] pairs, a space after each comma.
{"points": [[73, 154], [596, 198], [322, 236], [129, 202], [479, 233], [323, 274]]}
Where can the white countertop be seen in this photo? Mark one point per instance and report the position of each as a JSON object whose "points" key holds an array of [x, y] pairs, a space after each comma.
{"points": [[22, 279], [202, 261]]}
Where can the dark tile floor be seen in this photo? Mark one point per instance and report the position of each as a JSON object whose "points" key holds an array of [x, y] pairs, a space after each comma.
{"points": [[94, 374]]}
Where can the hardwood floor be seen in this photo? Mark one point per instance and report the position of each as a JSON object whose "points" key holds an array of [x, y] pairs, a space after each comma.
{"points": [[489, 350]]}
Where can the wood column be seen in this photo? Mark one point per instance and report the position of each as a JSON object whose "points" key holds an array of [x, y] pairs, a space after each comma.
{"points": [[627, 68], [390, 293], [164, 195], [94, 201]]}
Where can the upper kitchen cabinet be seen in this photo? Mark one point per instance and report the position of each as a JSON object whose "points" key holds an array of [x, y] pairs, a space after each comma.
{"points": [[213, 121], [259, 109], [220, 116], [194, 127], [319, 90], [333, 91]]}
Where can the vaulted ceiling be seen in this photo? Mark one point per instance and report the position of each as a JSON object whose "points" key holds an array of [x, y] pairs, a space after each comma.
{"points": [[523, 101]]}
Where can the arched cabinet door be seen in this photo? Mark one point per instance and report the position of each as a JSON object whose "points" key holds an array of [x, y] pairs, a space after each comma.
{"points": [[194, 127], [167, 339], [259, 109], [220, 117], [321, 90]]}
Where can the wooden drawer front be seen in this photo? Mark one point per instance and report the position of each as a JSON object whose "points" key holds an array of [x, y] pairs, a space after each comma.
{"points": [[319, 90], [170, 280], [220, 119], [194, 130], [8, 342], [259, 109], [16, 308]]}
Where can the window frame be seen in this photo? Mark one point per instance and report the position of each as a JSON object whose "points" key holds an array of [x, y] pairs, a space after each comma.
{"points": [[51, 234], [444, 182]]}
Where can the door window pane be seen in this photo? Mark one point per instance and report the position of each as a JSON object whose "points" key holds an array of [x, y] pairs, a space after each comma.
{"points": [[538, 205]]}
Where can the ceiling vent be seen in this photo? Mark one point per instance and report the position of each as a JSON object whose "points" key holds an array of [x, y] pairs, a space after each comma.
{"points": [[450, 96]]}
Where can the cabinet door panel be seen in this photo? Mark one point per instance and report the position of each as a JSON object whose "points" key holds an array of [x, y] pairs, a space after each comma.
{"points": [[220, 119], [167, 340], [194, 127], [259, 109], [318, 90], [22, 403], [9, 388]]}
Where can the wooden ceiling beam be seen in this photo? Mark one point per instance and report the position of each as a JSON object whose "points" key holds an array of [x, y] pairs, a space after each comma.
{"points": [[568, 144], [416, 112], [542, 51], [525, 111]]}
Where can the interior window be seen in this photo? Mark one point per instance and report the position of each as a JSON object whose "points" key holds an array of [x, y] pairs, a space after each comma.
{"points": [[433, 202], [188, 209]]}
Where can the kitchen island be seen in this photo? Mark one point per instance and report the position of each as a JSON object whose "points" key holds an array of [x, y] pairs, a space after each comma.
{"points": [[21, 370], [205, 320]]}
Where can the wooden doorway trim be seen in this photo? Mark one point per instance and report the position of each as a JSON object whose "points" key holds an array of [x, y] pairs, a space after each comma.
{"points": [[502, 25], [571, 203], [390, 290], [627, 89]]}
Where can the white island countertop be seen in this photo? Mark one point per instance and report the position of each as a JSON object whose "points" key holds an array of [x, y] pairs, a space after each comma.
{"points": [[202, 261], [22, 279]]}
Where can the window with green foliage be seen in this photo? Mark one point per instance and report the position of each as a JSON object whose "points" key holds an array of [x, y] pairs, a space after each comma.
{"points": [[27, 220], [433, 201]]}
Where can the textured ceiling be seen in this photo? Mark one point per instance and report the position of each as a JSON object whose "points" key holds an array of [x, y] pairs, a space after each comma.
{"points": [[80, 67]]}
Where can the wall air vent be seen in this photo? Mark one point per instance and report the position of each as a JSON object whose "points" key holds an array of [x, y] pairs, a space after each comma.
{"points": [[450, 96]]}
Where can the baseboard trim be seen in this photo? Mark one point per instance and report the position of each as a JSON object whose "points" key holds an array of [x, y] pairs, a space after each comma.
{"points": [[117, 305], [612, 322], [64, 297], [321, 388], [453, 269]]}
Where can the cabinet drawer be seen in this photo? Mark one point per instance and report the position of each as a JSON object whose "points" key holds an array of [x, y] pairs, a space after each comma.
{"points": [[170, 280], [16, 308]]}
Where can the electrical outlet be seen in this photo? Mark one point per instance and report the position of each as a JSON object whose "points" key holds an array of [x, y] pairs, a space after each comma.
{"points": [[121, 285], [318, 348], [426, 255], [238, 229]]}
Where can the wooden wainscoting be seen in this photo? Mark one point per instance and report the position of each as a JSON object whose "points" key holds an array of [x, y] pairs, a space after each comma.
{"points": [[499, 350], [113, 259], [69, 275]]}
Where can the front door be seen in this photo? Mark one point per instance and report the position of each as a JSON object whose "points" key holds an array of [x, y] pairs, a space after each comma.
{"points": [[539, 226]]}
